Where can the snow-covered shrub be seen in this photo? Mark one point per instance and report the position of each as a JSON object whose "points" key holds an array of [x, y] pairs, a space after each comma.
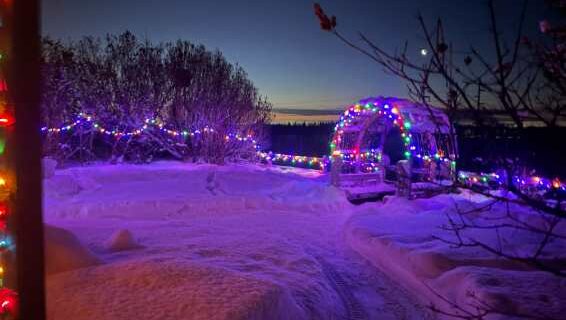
{"points": [[121, 82]]}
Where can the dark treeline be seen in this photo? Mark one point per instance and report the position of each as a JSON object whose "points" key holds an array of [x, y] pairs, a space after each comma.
{"points": [[302, 139], [536, 147]]}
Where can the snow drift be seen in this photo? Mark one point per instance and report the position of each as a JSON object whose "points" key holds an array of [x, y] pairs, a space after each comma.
{"points": [[122, 191], [64, 252], [401, 237]]}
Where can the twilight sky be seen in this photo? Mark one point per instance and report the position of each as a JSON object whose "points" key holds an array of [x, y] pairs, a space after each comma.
{"points": [[279, 43]]}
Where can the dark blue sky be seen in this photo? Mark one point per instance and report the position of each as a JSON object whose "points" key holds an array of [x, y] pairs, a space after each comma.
{"points": [[279, 43]]}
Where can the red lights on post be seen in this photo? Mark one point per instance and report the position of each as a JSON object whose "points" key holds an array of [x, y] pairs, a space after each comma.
{"points": [[6, 120], [8, 297], [8, 302], [20, 165], [3, 222]]}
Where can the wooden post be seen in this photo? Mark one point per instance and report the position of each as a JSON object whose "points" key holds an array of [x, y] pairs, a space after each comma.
{"points": [[335, 170], [24, 81], [404, 179]]}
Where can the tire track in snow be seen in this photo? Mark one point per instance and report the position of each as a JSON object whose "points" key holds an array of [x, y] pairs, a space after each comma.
{"points": [[354, 310]]}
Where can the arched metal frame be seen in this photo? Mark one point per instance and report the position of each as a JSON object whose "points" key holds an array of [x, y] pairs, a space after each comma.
{"points": [[427, 135]]}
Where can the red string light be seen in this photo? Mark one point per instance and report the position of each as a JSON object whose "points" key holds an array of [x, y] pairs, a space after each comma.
{"points": [[6, 120], [8, 302]]}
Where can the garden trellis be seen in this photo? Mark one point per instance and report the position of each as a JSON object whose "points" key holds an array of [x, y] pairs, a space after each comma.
{"points": [[427, 137]]}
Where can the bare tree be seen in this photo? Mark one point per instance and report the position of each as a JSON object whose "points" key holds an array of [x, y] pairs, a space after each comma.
{"points": [[550, 55], [459, 82], [210, 92], [60, 96]]}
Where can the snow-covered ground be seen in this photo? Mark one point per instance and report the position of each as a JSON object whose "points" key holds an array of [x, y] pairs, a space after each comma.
{"points": [[180, 241], [401, 238]]}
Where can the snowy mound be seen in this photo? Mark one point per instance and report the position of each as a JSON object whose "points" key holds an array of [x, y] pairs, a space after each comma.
{"points": [[62, 186], [171, 289], [122, 240], [510, 291], [64, 252]]}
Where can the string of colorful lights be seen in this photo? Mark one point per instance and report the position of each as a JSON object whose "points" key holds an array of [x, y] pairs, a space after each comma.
{"points": [[386, 111], [294, 160], [371, 157], [528, 184], [149, 123], [277, 158], [8, 297]]}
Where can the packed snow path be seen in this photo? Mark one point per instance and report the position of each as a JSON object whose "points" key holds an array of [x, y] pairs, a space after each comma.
{"points": [[274, 237]]}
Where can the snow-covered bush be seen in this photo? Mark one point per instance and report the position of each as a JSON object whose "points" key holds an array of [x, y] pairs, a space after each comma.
{"points": [[121, 82]]}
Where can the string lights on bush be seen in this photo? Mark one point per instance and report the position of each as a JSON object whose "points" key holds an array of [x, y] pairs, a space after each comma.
{"points": [[149, 124], [154, 123], [294, 160]]}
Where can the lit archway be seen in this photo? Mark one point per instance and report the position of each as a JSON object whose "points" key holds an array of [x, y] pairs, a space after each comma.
{"points": [[360, 134]]}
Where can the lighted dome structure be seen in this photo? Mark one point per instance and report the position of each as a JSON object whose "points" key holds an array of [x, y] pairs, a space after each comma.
{"points": [[424, 133]]}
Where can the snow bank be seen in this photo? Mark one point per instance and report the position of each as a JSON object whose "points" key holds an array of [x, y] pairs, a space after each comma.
{"points": [[122, 191], [401, 238], [509, 291], [172, 289], [64, 252]]}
